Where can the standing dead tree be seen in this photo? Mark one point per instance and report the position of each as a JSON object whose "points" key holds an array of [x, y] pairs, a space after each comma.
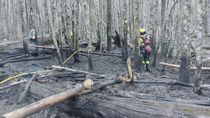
{"points": [[117, 39], [53, 32], [109, 25], [125, 41], [125, 32], [75, 29], [20, 29]]}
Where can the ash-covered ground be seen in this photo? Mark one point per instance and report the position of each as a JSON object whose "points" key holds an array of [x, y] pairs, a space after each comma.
{"points": [[108, 65]]}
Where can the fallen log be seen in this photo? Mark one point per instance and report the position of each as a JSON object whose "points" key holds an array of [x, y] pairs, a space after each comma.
{"points": [[46, 47], [98, 105], [178, 66], [49, 101], [58, 98], [63, 75], [79, 71], [162, 98], [103, 54], [84, 52]]}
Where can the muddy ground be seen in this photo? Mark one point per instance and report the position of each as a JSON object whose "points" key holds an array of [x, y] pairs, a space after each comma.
{"points": [[108, 65]]}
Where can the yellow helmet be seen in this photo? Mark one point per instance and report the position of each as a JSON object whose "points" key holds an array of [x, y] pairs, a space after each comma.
{"points": [[141, 30]]}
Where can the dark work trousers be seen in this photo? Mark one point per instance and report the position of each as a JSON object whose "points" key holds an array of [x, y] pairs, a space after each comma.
{"points": [[145, 58]]}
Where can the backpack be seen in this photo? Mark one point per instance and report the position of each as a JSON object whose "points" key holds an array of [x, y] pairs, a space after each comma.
{"points": [[147, 44]]}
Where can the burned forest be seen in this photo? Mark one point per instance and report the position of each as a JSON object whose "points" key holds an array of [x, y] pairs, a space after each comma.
{"points": [[104, 58]]}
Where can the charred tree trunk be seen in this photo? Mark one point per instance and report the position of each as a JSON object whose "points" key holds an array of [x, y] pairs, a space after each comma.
{"points": [[154, 48], [53, 32], [125, 32], [25, 46], [76, 32], [198, 79], [20, 30], [137, 57], [125, 47], [184, 71], [98, 45], [117, 40], [109, 25]]}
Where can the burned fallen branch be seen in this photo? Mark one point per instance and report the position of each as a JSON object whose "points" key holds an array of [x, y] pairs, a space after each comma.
{"points": [[80, 71], [47, 47], [16, 57], [27, 87], [63, 75], [25, 59], [24, 74], [13, 84], [12, 55], [175, 83], [105, 84], [10, 43]]}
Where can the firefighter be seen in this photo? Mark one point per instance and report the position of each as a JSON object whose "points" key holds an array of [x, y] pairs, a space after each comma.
{"points": [[145, 48]]}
